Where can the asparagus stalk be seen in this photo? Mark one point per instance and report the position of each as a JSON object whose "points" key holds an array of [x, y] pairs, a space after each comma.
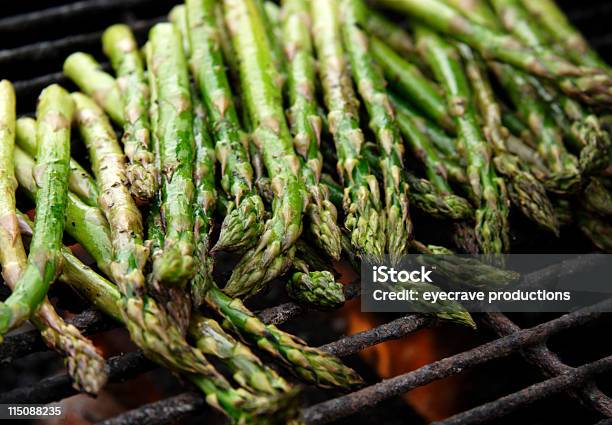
{"points": [[396, 37], [244, 221], [426, 197], [92, 233], [150, 327], [247, 369], [597, 198], [365, 216], [492, 212], [263, 101], [322, 368], [411, 83], [588, 84], [178, 16], [597, 229], [84, 363], [563, 32], [371, 86], [175, 265], [564, 173], [524, 189], [89, 76], [306, 123], [120, 46], [54, 114], [271, 29], [433, 147], [445, 144], [79, 182], [594, 143], [211, 339], [310, 364], [315, 288]]}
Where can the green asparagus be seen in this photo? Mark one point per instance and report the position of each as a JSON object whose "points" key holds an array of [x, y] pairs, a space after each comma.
{"points": [[394, 35], [588, 84], [594, 143], [564, 176], [488, 188], [263, 101], [371, 86], [54, 115], [89, 76], [150, 327], [410, 82], [564, 34], [524, 189], [84, 363], [315, 288], [120, 46], [365, 216], [244, 222], [175, 265], [79, 182], [306, 123]]}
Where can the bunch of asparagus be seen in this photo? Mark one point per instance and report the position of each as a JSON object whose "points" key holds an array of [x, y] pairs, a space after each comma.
{"points": [[249, 117]]}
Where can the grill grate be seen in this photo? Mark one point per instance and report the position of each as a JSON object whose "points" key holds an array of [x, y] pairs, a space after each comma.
{"points": [[34, 44]]}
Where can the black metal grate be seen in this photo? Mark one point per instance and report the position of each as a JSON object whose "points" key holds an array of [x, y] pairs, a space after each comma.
{"points": [[34, 42]]}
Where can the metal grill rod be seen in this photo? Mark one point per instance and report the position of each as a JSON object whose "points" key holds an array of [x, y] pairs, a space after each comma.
{"points": [[550, 364], [54, 388], [51, 49], [132, 364], [351, 403], [505, 405], [22, 344], [55, 15]]}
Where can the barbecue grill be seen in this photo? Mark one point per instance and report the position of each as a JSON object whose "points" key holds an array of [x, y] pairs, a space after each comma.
{"points": [[36, 36]]}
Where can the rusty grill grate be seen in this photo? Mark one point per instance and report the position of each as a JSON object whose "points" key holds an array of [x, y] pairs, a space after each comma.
{"points": [[68, 26]]}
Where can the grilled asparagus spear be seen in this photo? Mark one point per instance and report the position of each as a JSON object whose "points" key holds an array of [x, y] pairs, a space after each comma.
{"points": [[594, 143], [492, 212], [175, 265], [371, 86], [563, 33], [79, 182], [306, 123], [120, 46], [263, 101], [54, 114], [588, 84], [85, 364], [89, 76], [365, 216], [244, 221]]}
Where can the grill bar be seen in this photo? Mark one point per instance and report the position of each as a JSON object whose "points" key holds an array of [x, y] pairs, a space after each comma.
{"points": [[550, 364], [351, 403], [54, 388], [132, 364], [508, 404], [51, 49], [20, 345], [58, 14], [161, 412]]}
